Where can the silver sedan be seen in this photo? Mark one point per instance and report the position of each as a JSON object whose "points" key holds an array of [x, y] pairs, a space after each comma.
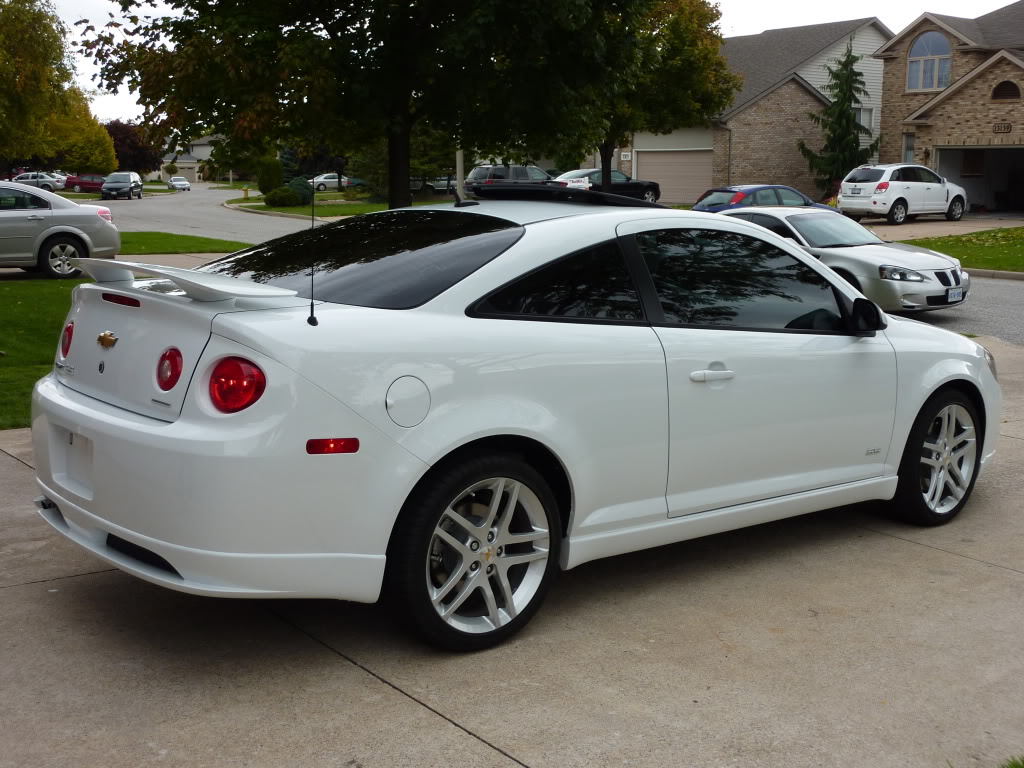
{"points": [[41, 231]]}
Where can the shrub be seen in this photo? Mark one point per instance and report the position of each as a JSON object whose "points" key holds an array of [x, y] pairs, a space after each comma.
{"points": [[302, 188], [282, 197], [171, 169], [269, 175]]}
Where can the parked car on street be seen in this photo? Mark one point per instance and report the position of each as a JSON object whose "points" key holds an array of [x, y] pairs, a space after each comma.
{"points": [[506, 174], [127, 184], [899, 191], [179, 183], [44, 232], [327, 181], [40, 180], [896, 276], [739, 195], [488, 393], [87, 182], [590, 178]]}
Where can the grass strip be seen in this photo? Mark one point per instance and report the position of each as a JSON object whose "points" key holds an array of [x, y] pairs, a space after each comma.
{"points": [[1001, 249], [144, 243]]}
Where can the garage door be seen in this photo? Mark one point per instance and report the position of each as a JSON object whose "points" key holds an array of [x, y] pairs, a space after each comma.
{"points": [[683, 176]]}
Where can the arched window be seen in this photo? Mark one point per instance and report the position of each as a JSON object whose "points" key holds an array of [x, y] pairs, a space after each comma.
{"points": [[929, 62], [1006, 90]]}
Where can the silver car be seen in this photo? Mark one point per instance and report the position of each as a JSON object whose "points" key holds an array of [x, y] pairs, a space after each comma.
{"points": [[41, 231], [179, 183], [39, 179]]}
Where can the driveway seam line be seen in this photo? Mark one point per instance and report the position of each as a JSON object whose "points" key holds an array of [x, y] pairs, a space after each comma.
{"points": [[57, 578], [5, 453], [394, 687], [946, 551]]}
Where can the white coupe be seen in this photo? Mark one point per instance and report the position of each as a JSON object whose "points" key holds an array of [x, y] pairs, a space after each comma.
{"points": [[451, 403]]}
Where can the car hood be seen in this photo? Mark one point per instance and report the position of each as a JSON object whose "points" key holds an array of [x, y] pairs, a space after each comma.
{"points": [[893, 254]]}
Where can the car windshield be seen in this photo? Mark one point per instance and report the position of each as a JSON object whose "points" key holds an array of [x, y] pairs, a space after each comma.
{"points": [[828, 230], [864, 175], [387, 260], [178, 178], [118, 177], [717, 197]]}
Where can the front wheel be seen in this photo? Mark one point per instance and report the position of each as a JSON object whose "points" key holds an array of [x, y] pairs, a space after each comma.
{"points": [[77, 188], [898, 213], [474, 552], [940, 462], [321, 187], [955, 212], [56, 254]]}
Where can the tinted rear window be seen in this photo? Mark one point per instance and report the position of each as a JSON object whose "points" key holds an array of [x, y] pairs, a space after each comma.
{"points": [[864, 175], [717, 197], [388, 260], [479, 173], [118, 177]]}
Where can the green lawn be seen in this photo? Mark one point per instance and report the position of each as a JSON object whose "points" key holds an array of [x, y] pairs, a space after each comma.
{"points": [[1001, 249], [31, 315], [80, 195], [142, 243]]}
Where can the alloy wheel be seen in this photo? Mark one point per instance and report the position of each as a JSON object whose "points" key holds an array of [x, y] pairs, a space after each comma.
{"points": [[487, 555], [948, 459], [60, 257]]}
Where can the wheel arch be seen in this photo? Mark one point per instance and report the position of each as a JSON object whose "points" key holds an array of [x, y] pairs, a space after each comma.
{"points": [[49, 234], [969, 390], [535, 453]]}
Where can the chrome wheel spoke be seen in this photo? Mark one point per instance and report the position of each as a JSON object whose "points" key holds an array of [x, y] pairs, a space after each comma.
{"points": [[508, 561], [460, 521], [511, 539], [494, 613], [439, 594], [947, 459], [459, 546], [506, 592], [468, 588]]}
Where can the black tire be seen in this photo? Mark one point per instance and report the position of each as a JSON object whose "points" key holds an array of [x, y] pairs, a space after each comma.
{"points": [[47, 187], [55, 253], [955, 212], [650, 196], [928, 442], [321, 187], [898, 212], [420, 558], [853, 216]]}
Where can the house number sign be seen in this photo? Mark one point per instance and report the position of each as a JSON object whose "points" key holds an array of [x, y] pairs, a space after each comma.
{"points": [[1002, 127]]}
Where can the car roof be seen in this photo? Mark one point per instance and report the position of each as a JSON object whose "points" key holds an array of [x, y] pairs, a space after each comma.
{"points": [[778, 210], [61, 202], [525, 212]]}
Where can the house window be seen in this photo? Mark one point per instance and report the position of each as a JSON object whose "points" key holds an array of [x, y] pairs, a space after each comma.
{"points": [[973, 163], [908, 147], [864, 116], [1006, 90], [929, 62]]}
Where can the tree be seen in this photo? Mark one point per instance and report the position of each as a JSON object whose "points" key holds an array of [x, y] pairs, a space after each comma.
{"points": [[677, 76], [843, 149], [80, 141], [343, 74], [35, 69], [171, 169], [136, 150]]}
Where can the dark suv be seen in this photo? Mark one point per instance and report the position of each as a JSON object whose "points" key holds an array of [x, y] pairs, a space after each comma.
{"points": [[506, 174], [122, 184]]}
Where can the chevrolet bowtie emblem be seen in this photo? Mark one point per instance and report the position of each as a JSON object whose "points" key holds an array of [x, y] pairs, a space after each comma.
{"points": [[107, 339]]}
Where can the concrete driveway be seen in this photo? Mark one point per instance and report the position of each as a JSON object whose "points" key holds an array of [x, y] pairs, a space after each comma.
{"points": [[838, 638], [937, 226]]}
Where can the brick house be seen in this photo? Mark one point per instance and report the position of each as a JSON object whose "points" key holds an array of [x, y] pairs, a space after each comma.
{"points": [[952, 100], [755, 139]]}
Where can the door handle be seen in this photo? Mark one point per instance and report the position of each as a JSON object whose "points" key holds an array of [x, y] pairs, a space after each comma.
{"points": [[34, 218], [711, 375]]}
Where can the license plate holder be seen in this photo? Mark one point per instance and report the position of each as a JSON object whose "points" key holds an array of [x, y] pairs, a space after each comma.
{"points": [[955, 294], [854, 191]]}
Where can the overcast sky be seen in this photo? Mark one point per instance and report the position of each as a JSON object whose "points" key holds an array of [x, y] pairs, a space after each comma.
{"points": [[739, 17]]}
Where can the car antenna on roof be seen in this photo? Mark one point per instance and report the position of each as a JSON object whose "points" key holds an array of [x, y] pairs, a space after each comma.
{"points": [[459, 202], [312, 264]]}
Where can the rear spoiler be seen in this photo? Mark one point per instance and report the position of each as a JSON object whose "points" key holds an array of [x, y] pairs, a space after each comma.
{"points": [[201, 286]]}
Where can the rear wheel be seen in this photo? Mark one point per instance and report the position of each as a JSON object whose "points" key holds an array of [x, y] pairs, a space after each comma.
{"points": [[940, 462], [649, 196], [955, 212], [898, 213], [56, 254], [474, 552], [77, 188]]}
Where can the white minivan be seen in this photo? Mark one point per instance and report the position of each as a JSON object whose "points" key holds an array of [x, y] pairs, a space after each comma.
{"points": [[899, 191]]}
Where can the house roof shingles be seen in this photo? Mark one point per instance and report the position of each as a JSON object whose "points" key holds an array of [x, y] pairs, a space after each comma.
{"points": [[1002, 28], [765, 59]]}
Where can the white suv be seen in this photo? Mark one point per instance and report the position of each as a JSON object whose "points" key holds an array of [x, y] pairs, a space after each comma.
{"points": [[899, 191]]}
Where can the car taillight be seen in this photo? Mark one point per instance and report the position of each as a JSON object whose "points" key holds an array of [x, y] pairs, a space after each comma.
{"points": [[104, 213], [882, 186], [737, 197], [168, 368], [236, 384], [65, 339]]}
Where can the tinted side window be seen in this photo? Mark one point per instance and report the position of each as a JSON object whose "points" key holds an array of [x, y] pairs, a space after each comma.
{"points": [[499, 172], [519, 172], [619, 177], [536, 174], [789, 197], [765, 197], [928, 176], [590, 284], [780, 228], [725, 279]]}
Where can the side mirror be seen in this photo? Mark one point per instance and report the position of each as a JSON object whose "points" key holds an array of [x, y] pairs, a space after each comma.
{"points": [[866, 318]]}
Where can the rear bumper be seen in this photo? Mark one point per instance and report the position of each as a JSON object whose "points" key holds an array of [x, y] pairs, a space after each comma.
{"points": [[863, 206]]}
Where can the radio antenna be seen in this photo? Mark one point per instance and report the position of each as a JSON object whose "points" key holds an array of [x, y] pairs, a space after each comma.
{"points": [[312, 265]]}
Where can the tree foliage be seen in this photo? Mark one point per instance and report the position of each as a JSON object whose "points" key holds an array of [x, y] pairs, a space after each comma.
{"points": [[486, 73], [81, 142], [842, 150], [35, 69], [674, 75], [135, 148]]}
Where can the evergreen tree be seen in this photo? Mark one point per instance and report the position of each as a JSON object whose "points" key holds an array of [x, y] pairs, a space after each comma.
{"points": [[842, 150]]}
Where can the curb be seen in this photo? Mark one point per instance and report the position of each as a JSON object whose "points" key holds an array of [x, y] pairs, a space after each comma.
{"points": [[996, 273], [236, 207]]}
